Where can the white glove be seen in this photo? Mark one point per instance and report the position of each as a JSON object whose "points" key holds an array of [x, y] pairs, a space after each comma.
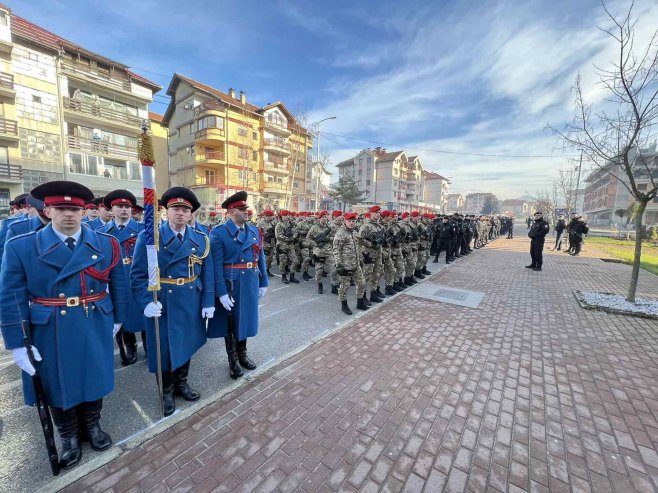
{"points": [[153, 310], [117, 328], [261, 292], [23, 361], [226, 302], [208, 312]]}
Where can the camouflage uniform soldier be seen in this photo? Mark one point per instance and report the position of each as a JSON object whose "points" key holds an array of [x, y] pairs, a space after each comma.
{"points": [[398, 235], [347, 255], [301, 231], [285, 246], [320, 238], [370, 236], [266, 225], [409, 243], [387, 252], [423, 246], [335, 225]]}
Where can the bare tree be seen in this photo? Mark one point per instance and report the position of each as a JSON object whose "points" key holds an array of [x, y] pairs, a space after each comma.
{"points": [[545, 204], [616, 135], [565, 183]]}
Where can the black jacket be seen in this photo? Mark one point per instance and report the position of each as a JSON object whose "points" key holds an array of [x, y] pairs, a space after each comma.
{"points": [[539, 229], [561, 224]]}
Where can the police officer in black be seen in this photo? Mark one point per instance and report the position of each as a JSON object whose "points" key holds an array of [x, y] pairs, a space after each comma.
{"points": [[538, 231]]}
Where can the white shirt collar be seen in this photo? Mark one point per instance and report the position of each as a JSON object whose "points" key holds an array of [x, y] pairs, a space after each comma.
{"points": [[63, 237], [176, 232]]}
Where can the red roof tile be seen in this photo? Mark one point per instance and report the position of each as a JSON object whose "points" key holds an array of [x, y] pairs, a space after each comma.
{"points": [[156, 117]]}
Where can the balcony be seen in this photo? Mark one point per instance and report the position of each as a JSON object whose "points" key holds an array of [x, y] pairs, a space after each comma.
{"points": [[8, 130], [209, 135], [89, 111], [11, 172], [210, 108], [278, 127], [98, 76], [275, 187], [7, 85], [100, 147], [211, 157], [277, 145]]}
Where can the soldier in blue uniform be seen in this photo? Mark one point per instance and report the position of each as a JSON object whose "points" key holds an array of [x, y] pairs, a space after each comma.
{"points": [[20, 205], [104, 215], [194, 224], [91, 211], [57, 279], [138, 213], [125, 230], [34, 223], [186, 298], [240, 279]]}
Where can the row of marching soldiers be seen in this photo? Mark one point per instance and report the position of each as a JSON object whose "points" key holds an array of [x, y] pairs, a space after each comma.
{"points": [[361, 250], [68, 287]]}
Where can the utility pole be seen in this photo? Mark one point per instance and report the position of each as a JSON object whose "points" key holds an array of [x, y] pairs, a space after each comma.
{"points": [[580, 165], [318, 165]]}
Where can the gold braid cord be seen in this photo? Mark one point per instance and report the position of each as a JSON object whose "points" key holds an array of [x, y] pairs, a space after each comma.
{"points": [[195, 259]]}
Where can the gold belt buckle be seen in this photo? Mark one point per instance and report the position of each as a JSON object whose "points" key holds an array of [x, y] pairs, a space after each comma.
{"points": [[180, 281], [250, 265], [73, 301], [127, 261]]}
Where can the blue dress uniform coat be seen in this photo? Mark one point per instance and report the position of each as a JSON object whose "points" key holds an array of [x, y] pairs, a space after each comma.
{"points": [[228, 248], [201, 227], [127, 237], [25, 226], [182, 330], [77, 347], [4, 229], [96, 224]]}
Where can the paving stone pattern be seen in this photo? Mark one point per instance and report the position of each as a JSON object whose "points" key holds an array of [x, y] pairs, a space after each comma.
{"points": [[528, 392]]}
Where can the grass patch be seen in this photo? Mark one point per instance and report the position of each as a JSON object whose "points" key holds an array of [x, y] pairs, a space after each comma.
{"points": [[624, 250]]}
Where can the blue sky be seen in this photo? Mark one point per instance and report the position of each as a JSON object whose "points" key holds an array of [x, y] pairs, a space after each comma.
{"points": [[468, 76]]}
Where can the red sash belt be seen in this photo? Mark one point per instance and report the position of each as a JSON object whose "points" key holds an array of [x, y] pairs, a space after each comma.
{"points": [[72, 301], [248, 265]]}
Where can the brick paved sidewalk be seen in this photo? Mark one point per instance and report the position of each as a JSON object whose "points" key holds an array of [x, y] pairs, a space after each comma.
{"points": [[527, 392]]}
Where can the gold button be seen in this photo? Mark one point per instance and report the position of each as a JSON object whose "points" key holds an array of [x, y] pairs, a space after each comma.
{"points": [[62, 295], [170, 291], [193, 249], [169, 277], [94, 257], [63, 312]]}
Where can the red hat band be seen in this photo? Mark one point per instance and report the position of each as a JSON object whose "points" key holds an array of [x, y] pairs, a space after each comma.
{"points": [[236, 205], [178, 201], [65, 200], [121, 201]]}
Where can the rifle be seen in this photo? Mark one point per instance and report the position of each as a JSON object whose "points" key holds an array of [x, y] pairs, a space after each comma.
{"points": [[269, 235], [42, 408], [288, 231], [322, 238]]}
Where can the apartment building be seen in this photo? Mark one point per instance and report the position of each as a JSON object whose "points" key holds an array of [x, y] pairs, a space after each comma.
{"points": [[68, 113], [220, 143], [475, 201], [395, 180], [456, 202], [435, 190], [519, 208]]}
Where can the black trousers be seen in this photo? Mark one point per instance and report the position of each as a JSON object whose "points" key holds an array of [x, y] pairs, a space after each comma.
{"points": [[537, 251]]}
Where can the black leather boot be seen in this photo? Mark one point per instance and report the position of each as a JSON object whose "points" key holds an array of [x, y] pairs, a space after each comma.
{"points": [[345, 308], [412, 279], [320, 288], [168, 387], [379, 293], [235, 371], [361, 304], [374, 298], [269, 274], [130, 340], [324, 273], [143, 335], [389, 291], [425, 271], [399, 285], [243, 358], [334, 289], [67, 427], [365, 300], [122, 349], [292, 278], [181, 387], [305, 276], [91, 417], [407, 281], [418, 274], [284, 278]]}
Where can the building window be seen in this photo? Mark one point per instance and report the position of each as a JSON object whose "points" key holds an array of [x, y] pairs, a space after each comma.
{"points": [[242, 131], [209, 177], [295, 184], [395, 172], [191, 128], [39, 146], [4, 155], [3, 18], [360, 172], [369, 160], [255, 155], [242, 152], [367, 183], [360, 161], [254, 135], [114, 168], [209, 122]]}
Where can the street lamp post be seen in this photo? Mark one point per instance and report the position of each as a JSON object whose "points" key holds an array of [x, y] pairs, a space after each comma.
{"points": [[318, 166]]}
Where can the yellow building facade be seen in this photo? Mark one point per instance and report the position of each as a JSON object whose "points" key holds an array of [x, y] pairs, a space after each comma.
{"points": [[220, 143]]}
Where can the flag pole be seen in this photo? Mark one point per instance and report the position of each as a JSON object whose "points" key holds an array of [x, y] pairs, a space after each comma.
{"points": [[147, 160]]}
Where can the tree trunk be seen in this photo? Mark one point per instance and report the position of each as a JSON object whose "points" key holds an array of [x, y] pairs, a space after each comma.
{"points": [[638, 252]]}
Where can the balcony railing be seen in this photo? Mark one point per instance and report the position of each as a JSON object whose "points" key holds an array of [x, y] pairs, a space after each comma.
{"points": [[11, 172], [281, 144], [212, 156], [98, 76], [102, 147], [202, 181], [8, 127], [274, 161], [209, 105], [98, 111], [6, 81], [277, 125]]}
